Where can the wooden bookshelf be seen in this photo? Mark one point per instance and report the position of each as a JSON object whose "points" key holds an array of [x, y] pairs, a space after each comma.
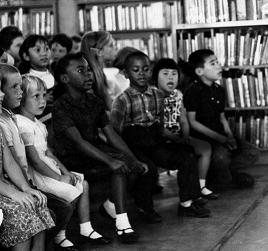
{"points": [[239, 38]]}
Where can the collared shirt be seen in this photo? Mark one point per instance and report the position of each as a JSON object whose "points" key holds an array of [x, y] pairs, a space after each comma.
{"points": [[133, 107], [208, 102], [87, 116]]}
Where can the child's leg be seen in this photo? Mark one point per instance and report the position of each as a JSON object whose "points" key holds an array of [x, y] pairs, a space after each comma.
{"points": [[24, 246], [38, 241], [203, 152]]}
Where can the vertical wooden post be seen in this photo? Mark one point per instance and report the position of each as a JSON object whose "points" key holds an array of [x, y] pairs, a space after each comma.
{"points": [[66, 17]]}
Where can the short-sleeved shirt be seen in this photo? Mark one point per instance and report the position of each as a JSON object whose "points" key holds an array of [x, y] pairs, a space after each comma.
{"points": [[87, 115], [208, 102], [133, 107], [173, 104]]}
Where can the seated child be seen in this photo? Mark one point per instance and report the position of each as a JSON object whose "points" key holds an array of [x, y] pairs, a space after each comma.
{"points": [[11, 86], [77, 116], [49, 174], [166, 77], [35, 56], [24, 213], [204, 101], [136, 115]]}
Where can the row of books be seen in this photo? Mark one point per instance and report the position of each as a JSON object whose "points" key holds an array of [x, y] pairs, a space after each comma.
{"points": [[211, 11], [252, 128], [156, 46], [125, 17], [240, 46], [33, 21], [247, 90]]}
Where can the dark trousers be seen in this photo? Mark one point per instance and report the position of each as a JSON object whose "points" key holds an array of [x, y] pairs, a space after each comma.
{"points": [[225, 163], [172, 156], [140, 186]]}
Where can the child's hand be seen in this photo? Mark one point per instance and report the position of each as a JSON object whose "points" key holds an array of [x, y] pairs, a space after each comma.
{"points": [[231, 143], [66, 179], [24, 199], [141, 167], [74, 178], [119, 166], [41, 198]]}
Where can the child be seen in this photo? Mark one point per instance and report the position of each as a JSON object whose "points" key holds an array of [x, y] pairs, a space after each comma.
{"points": [[50, 175], [77, 117], [136, 114], [76, 44], [166, 77], [204, 101], [35, 56], [11, 86], [60, 45], [11, 39], [26, 215]]}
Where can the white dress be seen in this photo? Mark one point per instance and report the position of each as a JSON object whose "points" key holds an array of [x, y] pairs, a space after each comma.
{"points": [[34, 133]]}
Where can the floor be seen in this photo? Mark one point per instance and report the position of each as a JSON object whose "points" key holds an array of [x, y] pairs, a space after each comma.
{"points": [[239, 221]]}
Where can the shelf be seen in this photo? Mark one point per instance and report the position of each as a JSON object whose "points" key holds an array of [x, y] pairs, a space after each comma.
{"points": [[144, 33], [230, 24], [117, 2], [254, 108], [244, 67], [6, 4]]}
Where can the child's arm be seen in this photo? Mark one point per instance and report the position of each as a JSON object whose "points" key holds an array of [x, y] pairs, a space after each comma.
{"points": [[15, 174], [231, 142], [87, 149], [41, 167], [184, 123], [205, 130]]}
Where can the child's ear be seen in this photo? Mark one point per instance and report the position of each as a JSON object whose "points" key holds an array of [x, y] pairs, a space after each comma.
{"points": [[25, 56], [199, 71], [64, 78]]}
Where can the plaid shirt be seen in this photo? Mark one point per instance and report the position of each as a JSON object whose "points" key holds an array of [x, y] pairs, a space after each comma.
{"points": [[135, 108]]}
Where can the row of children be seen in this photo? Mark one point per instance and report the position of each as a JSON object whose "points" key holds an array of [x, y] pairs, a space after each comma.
{"points": [[137, 117]]}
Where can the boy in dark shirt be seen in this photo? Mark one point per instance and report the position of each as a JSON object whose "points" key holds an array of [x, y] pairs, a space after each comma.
{"points": [[136, 114], [204, 101], [77, 116]]}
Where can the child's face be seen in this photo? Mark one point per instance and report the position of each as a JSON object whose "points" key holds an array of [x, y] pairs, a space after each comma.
{"points": [[57, 51], [109, 51], [79, 75], [35, 102], [167, 80], [12, 91], [139, 72], [76, 47], [15, 47], [39, 56], [211, 71]]}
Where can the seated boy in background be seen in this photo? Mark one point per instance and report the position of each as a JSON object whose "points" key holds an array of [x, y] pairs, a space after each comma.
{"points": [[204, 101], [136, 115]]}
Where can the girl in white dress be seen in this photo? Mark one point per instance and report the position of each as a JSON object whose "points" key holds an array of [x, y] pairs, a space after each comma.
{"points": [[50, 175]]}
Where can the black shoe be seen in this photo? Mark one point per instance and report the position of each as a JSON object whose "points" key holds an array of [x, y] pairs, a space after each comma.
{"points": [[242, 180], [210, 196], [98, 241], [104, 213], [58, 247], [156, 189], [200, 201], [127, 238], [151, 217], [193, 211]]}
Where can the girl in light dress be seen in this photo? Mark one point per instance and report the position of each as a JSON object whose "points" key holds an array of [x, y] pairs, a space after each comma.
{"points": [[50, 175], [25, 213]]}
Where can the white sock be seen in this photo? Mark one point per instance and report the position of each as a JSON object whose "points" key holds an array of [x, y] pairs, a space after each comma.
{"points": [[110, 208], [206, 191], [86, 229], [187, 203], [122, 222], [202, 183], [60, 237]]}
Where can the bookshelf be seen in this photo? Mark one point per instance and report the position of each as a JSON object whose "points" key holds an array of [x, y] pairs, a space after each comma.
{"points": [[29, 16], [145, 25], [236, 30]]}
